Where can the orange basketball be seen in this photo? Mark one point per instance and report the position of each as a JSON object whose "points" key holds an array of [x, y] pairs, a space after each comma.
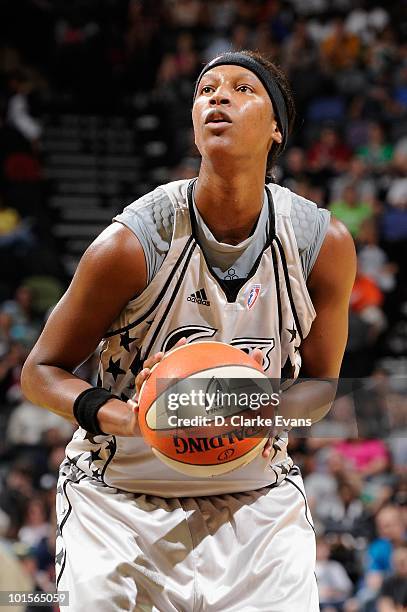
{"points": [[206, 409]]}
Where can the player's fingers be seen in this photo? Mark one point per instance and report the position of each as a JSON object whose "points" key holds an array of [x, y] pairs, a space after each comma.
{"points": [[180, 342], [267, 449], [151, 361], [133, 426], [140, 378], [133, 405], [258, 356]]}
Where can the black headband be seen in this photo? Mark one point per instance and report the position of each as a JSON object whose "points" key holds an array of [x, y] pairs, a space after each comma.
{"points": [[272, 88]]}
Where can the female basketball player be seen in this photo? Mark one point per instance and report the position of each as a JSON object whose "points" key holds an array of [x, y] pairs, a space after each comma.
{"points": [[133, 534]]}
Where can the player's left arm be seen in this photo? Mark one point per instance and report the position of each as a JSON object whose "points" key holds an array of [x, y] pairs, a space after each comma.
{"points": [[330, 284]]}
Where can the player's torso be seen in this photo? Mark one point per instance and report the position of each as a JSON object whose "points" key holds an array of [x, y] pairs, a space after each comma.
{"points": [[271, 311]]}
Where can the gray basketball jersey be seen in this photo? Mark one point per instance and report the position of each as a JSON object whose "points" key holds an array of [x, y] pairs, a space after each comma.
{"points": [[151, 218], [270, 309]]}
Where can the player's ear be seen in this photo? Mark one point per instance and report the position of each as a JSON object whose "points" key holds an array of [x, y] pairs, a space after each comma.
{"points": [[277, 135]]}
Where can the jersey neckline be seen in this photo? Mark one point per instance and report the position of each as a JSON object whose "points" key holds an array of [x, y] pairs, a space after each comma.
{"points": [[232, 288]]}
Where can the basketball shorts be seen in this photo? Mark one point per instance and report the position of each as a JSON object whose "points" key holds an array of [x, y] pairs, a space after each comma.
{"points": [[241, 552]]}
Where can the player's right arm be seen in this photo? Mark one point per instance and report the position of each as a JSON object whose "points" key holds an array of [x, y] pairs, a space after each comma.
{"points": [[111, 272]]}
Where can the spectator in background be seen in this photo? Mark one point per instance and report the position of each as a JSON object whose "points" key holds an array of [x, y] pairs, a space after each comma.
{"points": [[13, 576], [366, 322], [355, 174], [328, 155], [300, 52], [15, 234], [294, 168], [367, 458], [393, 594], [391, 534], [351, 210], [340, 49], [366, 299], [29, 566], [185, 13], [347, 515], [9, 219], [10, 370], [5, 333], [397, 193], [18, 112], [25, 327], [377, 153], [28, 423], [16, 488], [381, 54], [372, 259], [35, 525], [334, 584]]}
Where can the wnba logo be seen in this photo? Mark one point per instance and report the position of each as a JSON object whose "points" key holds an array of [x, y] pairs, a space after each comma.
{"points": [[253, 295]]}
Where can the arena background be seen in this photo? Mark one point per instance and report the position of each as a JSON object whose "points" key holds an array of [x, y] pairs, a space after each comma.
{"points": [[95, 99]]}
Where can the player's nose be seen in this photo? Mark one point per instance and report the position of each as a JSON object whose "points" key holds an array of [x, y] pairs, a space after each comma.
{"points": [[220, 96]]}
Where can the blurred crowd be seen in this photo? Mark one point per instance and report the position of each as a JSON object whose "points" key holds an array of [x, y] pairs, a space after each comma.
{"points": [[347, 63]]}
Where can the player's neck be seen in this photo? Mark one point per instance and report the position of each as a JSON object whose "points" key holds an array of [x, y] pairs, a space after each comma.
{"points": [[229, 203]]}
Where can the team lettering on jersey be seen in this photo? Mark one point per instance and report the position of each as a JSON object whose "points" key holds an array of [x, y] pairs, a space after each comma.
{"points": [[194, 333]]}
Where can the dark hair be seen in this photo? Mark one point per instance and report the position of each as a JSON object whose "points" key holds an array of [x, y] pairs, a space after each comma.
{"points": [[282, 81]]}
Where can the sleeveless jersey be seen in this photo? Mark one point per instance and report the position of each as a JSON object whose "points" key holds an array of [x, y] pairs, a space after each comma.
{"points": [[186, 298]]}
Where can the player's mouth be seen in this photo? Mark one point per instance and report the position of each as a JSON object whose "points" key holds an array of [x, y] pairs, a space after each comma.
{"points": [[217, 118]]}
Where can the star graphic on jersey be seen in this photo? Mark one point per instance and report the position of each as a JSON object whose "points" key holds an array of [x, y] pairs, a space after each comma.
{"points": [[136, 364], [58, 531], [60, 489], [95, 473], [125, 340], [293, 333], [276, 446], [111, 445], [296, 349], [90, 438], [288, 369], [114, 368], [74, 460], [89, 459], [283, 469], [99, 380], [59, 557], [95, 455]]}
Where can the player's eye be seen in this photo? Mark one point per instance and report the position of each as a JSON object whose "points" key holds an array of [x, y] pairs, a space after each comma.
{"points": [[244, 88], [207, 89]]}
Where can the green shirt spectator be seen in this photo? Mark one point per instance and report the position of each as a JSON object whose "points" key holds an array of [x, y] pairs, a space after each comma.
{"points": [[376, 153], [350, 210]]}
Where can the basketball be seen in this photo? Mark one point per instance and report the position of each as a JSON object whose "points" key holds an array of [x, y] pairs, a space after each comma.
{"points": [[200, 409]]}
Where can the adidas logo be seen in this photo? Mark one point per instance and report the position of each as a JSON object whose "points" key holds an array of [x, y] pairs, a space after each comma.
{"points": [[199, 297]]}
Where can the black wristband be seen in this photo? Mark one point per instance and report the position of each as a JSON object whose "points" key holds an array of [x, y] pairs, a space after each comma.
{"points": [[86, 407]]}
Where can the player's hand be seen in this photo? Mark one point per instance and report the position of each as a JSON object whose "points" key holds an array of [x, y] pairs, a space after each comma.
{"points": [[146, 371], [121, 418], [258, 357]]}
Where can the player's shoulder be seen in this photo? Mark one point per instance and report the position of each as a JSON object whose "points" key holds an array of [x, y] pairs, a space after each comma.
{"points": [[289, 202], [167, 195], [309, 221]]}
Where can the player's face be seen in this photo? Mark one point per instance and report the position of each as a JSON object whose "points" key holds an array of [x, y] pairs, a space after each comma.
{"points": [[233, 115]]}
